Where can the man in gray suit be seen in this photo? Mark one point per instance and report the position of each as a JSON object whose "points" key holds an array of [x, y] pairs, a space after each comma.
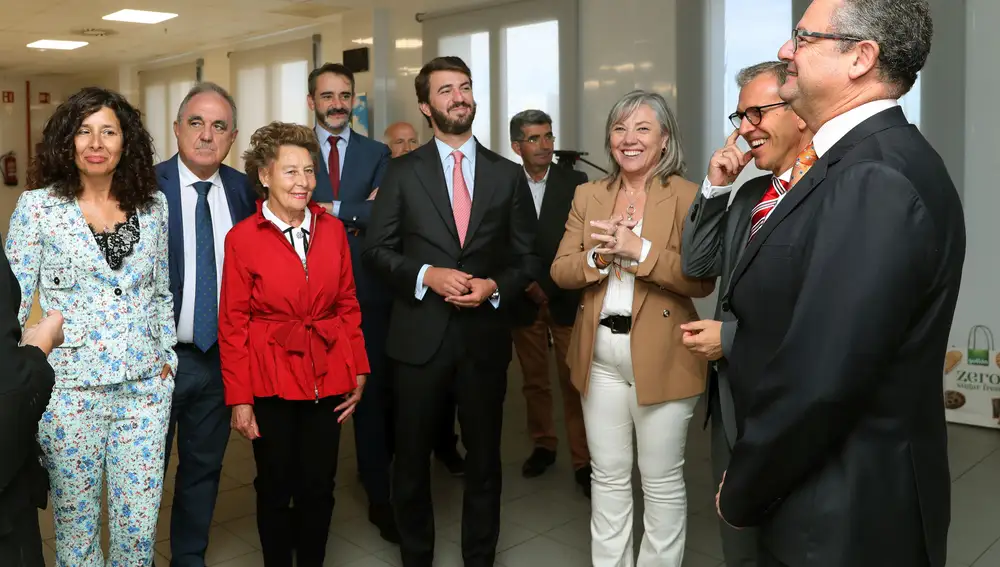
{"points": [[715, 236]]}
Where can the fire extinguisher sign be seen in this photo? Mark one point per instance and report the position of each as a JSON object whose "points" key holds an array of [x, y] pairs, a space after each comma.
{"points": [[8, 97]]}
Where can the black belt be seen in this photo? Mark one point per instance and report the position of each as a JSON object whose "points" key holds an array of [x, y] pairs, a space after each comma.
{"points": [[619, 324]]}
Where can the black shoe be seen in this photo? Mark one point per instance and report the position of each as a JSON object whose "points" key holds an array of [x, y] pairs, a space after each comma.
{"points": [[582, 477], [380, 515], [452, 461], [536, 464]]}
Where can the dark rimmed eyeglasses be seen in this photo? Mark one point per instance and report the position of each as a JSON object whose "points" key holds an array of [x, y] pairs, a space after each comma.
{"points": [[797, 33], [754, 114]]}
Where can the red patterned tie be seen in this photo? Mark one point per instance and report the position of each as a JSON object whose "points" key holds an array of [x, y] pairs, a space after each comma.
{"points": [[333, 166], [461, 201], [766, 204]]}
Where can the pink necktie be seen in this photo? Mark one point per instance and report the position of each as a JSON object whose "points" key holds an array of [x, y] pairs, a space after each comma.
{"points": [[461, 202]]}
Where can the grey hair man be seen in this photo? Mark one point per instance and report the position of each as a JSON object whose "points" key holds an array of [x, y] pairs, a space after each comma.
{"points": [[845, 299], [715, 234], [205, 199]]}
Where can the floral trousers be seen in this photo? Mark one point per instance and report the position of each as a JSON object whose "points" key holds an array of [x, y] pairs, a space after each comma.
{"points": [[118, 430]]}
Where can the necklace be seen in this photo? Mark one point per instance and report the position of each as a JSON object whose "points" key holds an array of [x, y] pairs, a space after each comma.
{"points": [[630, 210]]}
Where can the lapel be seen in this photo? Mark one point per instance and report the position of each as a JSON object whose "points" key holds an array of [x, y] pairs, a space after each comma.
{"points": [[232, 186], [485, 187], [743, 204], [430, 173], [170, 184], [661, 207], [552, 196], [85, 245], [890, 118], [602, 203], [347, 173], [324, 190]]}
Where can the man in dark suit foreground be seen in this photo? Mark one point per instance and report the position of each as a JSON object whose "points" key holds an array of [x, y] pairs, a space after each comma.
{"points": [[543, 308], [452, 231], [845, 299], [715, 236], [25, 385], [205, 199]]}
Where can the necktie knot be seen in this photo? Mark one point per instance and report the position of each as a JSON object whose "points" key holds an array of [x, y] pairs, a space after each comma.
{"points": [[333, 142], [803, 163], [203, 187], [458, 157]]}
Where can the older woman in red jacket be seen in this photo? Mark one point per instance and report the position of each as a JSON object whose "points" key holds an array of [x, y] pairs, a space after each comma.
{"points": [[293, 357]]}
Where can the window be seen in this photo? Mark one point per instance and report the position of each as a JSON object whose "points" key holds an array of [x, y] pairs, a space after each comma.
{"points": [[531, 78], [270, 83], [754, 33], [522, 56], [162, 93], [911, 103], [474, 49]]}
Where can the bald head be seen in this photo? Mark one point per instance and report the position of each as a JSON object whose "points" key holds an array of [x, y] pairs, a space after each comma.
{"points": [[401, 138]]}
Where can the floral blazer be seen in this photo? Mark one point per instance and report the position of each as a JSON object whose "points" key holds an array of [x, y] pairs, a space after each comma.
{"points": [[119, 323]]}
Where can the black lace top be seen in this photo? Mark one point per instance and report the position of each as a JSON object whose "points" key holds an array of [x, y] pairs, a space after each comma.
{"points": [[118, 244]]}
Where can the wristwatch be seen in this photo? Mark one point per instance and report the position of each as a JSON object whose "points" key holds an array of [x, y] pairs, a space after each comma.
{"points": [[496, 293]]}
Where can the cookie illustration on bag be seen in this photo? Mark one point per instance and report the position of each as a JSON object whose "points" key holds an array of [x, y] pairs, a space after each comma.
{"points": [[951, 360], [953, 399]]}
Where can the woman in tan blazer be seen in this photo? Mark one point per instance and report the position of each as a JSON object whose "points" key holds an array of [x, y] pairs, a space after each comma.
{"points": [[626, 358]]}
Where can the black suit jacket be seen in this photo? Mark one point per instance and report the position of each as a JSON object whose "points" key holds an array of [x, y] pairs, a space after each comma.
{"points": [[845, 300], [563, 304], [26, 381], [412, 224]]}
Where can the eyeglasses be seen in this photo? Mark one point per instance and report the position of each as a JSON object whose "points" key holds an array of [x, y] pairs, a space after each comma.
{"points": [[798, 33], [537, 139], [754, 114]]}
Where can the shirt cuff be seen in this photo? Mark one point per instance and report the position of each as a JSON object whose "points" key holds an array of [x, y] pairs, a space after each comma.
{"points": [[711, 191], [421, 289], [646, 247], [336, 209], [590, 262]]}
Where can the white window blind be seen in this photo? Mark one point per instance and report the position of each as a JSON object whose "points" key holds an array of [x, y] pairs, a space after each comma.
{"points": [[162, 92], [522, 55], [269, 83]]}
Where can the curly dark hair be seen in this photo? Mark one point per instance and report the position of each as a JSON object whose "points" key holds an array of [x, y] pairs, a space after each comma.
{"points": [[134, 182], [264, 146]]}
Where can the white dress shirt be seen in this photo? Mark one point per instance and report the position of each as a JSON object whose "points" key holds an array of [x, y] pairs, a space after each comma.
{"points": [[712, 191], [537, 190], [343, 139], [838, 126], [222, 222], [468, 150], [299, 237]]}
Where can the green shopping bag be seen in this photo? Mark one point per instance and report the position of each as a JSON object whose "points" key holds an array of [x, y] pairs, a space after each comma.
{"points": [[979, 350]]}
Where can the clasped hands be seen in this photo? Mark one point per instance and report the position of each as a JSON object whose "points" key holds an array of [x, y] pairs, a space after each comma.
{"points": [[617, 239], [459, 288]]}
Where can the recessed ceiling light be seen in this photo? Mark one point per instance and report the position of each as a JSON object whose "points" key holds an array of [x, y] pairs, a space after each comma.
{"points": [[139, 16], [409, 43], [56, 44], [364, 41]]}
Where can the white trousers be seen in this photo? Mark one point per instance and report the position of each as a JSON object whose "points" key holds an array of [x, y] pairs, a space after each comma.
{"points": [[610, 411]]}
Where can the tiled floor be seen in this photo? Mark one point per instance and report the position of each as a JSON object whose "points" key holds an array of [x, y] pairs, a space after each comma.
{"points": [[545, 521]]}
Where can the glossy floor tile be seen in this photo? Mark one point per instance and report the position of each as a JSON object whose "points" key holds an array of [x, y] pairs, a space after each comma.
{"points": [[545, 520]]}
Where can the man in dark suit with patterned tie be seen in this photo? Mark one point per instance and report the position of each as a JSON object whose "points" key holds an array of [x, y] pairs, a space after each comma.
{"points": [[453, 233], [715, 236], [347, 180], [205, 199]]}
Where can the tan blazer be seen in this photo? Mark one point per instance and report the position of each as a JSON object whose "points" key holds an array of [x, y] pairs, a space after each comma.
{"points": [[664, 369]]}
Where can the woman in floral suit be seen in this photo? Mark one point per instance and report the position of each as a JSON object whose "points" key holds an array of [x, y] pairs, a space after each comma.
{"points": [[91, 238]]}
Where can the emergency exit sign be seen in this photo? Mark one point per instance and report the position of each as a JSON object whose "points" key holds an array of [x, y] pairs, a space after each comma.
{"points": [[8, 97]]}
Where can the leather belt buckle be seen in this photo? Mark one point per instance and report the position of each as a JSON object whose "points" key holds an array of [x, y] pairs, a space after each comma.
{"points": [[619, 324]]}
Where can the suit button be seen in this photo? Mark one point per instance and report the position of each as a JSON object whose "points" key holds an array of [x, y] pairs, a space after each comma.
{"points": [[118, 291], [666, 313], [725, 306], [55, 280], [460, 264]]}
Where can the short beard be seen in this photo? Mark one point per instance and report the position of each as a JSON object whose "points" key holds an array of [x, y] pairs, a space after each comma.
{"points": [[321, 119], [452, 127]]}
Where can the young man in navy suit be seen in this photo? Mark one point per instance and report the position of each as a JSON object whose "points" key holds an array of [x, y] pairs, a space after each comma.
{"points": [[347, 178], [205, 199]]}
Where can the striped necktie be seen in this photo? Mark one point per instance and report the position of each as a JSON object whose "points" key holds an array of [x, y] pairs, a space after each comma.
{"points": [[766, 205]]}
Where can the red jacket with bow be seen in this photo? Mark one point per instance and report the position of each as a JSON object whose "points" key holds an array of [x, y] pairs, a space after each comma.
{"points": [[285, 329]]}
